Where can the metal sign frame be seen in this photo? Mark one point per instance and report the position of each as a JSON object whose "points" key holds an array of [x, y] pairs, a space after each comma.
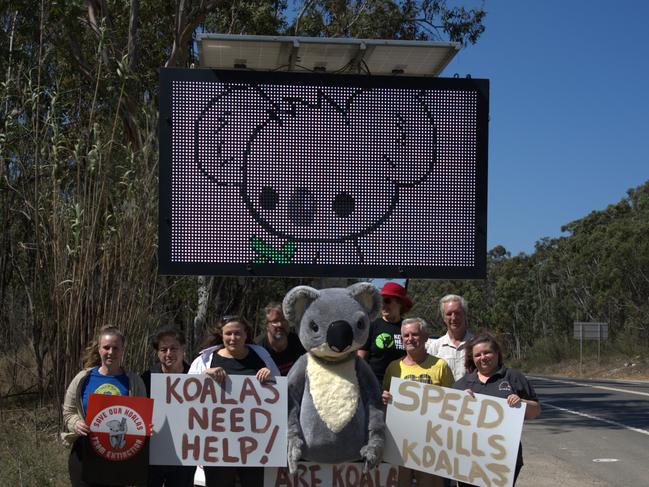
{"points": [[589, 331], [250, 268]]}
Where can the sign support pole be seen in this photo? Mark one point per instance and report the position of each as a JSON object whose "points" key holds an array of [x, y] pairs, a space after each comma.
{"points": [[599, 339], [581, 347]]}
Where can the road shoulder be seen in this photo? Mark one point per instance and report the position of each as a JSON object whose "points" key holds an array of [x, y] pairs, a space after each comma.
{"points": [[542, 470]]}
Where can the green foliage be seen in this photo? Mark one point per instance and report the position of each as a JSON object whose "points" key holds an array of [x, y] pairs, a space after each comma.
{"points": [[600, 272], [248, 17], [79, 171], [388, 19]]}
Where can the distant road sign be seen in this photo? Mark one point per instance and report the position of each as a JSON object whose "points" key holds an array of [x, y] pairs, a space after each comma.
{"points": [[590, 331]]}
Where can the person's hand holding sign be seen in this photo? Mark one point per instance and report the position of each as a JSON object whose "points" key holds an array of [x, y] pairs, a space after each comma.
{"points": [[81, 428], [386, 397], [263, 375], [513, 400], [532, 410], [216, 373]]}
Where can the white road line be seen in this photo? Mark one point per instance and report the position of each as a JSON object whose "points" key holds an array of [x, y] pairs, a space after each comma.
{"points": [[590, 416], [605, 388]]}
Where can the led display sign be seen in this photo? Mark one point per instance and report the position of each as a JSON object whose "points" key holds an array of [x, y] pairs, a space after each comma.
{"points": [[294, 174]]}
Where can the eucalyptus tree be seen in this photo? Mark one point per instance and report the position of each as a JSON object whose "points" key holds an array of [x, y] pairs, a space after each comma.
{"points": [[78, 179]]}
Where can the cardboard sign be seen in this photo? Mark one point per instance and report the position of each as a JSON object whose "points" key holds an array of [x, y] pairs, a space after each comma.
{"points": [[326, 475], [200, 422], [116, 450], [451, 434]]}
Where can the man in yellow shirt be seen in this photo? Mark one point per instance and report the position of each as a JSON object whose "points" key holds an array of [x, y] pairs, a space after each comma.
{"points": [[417, 366]]}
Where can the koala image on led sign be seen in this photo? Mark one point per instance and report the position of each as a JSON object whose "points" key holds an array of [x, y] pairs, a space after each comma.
{"points": [[315, 166]]}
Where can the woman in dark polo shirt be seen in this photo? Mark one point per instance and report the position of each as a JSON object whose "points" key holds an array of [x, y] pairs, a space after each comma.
{"points": [[486, 374]]}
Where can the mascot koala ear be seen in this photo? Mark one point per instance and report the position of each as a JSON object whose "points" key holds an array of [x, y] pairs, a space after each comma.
{"points": [[296, 301], [368, 296]]}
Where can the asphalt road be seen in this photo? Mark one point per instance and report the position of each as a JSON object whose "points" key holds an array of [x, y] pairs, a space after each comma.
{"points": [[590, 433]]}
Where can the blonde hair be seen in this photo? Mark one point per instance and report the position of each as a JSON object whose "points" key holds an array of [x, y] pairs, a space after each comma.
{"points": [[91, 356]]}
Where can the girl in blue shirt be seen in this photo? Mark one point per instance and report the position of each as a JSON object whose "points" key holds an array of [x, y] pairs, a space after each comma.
{"points": [[102, 374]]}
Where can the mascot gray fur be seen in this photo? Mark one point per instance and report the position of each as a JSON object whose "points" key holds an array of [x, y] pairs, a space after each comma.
{"points": [[335, 413]]}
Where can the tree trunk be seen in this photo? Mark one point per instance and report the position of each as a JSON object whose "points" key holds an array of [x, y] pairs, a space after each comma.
{"points": [[204, 291]]}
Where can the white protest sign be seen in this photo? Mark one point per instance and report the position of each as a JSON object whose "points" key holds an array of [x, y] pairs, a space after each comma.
{"points": [[199, 422], [310, 474], [451, 434]]}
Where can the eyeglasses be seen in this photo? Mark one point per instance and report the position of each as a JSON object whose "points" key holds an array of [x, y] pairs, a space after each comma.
{"points": [[388, 300], [276, 323]]}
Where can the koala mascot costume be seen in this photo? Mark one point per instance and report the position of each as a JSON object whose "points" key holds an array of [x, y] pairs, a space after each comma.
{"points": [[335, 412]]}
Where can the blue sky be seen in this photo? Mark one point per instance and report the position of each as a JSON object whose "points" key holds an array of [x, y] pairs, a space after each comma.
{"points": [[569, 111]]}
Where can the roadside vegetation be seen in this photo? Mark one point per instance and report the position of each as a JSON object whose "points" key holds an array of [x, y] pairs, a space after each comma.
{"points": [[78, 210], [597, 272], [79, 184]]}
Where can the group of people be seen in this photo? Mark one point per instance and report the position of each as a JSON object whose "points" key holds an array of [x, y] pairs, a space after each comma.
{"points": [[229, 350], [405, 349], [396, 347]]}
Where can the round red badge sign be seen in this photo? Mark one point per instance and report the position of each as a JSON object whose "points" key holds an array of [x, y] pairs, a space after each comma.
{"points": [[118, 433]]}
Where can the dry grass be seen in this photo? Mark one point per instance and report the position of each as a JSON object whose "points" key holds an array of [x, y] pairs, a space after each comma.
{"points": [[30, 451], [616, 367], [17, 372]]}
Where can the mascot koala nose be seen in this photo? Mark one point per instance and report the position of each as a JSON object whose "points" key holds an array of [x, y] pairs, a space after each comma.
{"points": [[340, 336]]}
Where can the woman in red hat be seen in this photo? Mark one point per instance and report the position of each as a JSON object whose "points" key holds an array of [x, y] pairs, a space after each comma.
{"points": [[384, 344]]}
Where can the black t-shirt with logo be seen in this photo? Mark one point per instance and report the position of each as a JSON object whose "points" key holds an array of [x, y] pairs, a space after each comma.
{"points": [[285, 359], [384, 345]]}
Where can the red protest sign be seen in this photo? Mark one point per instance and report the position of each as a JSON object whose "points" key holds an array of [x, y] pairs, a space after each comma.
{"points": [[118, 425], [116, 451]]}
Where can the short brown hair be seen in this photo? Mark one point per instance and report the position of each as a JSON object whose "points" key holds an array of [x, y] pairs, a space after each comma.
{"points": [[272, 306], [166, 331]]}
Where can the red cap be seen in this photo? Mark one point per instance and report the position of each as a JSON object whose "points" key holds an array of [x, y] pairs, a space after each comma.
{"points": [[394, 290]]}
